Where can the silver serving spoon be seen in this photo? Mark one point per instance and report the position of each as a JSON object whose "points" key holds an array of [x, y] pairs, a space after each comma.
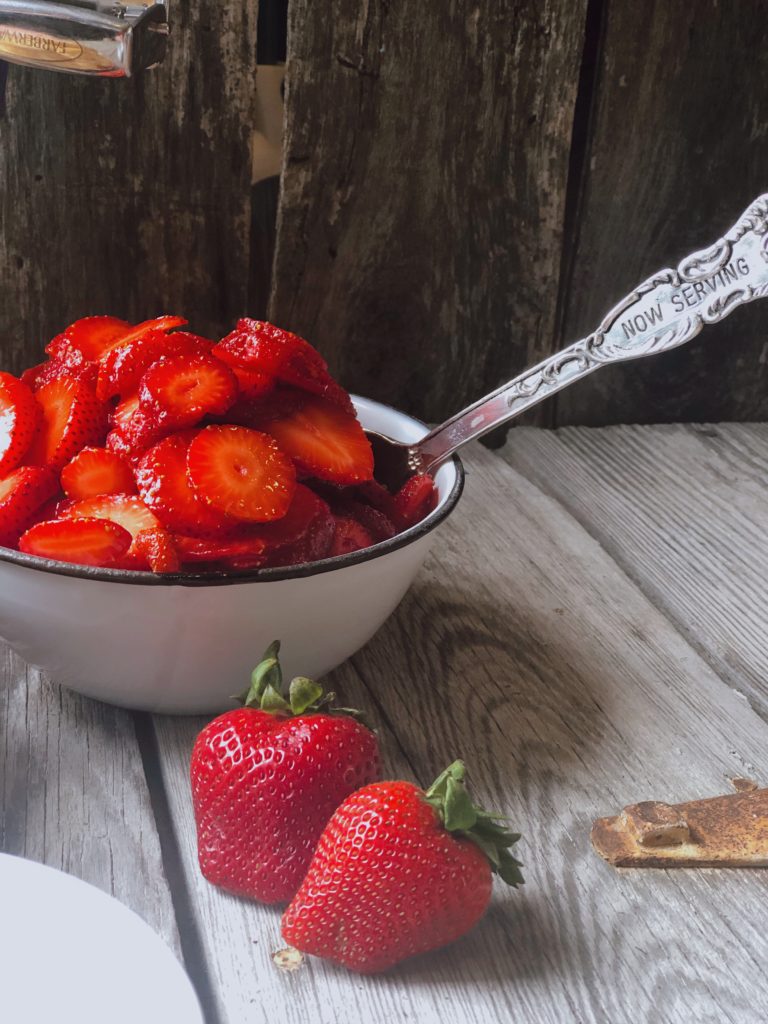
{"points": [[665, 311]]}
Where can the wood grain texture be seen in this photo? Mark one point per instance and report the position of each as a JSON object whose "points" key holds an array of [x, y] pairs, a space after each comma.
{"points": [[678, 148], [73, 793], [526, 649], [130, 197], [423, 188], [683, 510]]}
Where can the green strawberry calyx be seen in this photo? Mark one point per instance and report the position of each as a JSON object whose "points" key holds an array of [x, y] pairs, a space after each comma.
{"points": [[449, 797], [303, 696]]}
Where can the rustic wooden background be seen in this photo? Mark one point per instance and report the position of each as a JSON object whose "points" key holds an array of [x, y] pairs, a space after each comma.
{"points": [[466, 187]]}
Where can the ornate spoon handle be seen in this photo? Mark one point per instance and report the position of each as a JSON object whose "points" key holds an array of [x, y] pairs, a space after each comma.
{"points": [[665, 311]]}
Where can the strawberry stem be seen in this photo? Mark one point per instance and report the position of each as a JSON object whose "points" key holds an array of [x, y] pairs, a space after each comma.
{"points": [[450, 799], [304, 696]]}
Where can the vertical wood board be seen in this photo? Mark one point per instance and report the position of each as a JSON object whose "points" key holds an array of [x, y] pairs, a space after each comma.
{"points": [[425, 169]]}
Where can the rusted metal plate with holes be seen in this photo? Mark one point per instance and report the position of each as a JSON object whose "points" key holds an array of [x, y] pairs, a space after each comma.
{"points": [[723, 831]]}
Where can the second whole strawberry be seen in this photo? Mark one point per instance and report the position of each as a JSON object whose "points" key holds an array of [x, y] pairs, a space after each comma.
{"points": [[266, 778], [399, 871]]}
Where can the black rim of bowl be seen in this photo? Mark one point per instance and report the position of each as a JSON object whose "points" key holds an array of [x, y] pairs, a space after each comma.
{"points": [[223, 578]]}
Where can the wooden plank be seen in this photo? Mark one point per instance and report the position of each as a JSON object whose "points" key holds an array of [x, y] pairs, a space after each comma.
{"points": [[73, 793], [424, 177], [130, 197], [526, 649], [678, 149], [682, 509]]}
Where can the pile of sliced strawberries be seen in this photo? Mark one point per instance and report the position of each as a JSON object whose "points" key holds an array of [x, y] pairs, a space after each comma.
{"points": [[148, 447]]}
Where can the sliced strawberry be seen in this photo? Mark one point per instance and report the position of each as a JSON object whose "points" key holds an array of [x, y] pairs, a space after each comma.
{"points": [[252, 384], [183, 389], [351, 503], [241, 563], [82, 541], [219, 553], [379, 525], [241, 472], [304, 534], [315, 544], [349, 536], [121, 369], [22, 493], [136, 428], [161, 476], [258, 345], [50, 509], [72, 418], [123, 411], [68, 363], [137, 434], [305, 507], [373, 493], [415, 500], [31, 375], [324, 441], [158, 323], [59, 507], [157, 548], [95, 336], [20, 418], [97, 471], [279, 402], [92, 336], [116, 442], [126, 509]]}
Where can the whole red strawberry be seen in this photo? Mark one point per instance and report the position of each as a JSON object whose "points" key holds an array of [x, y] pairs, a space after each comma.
{"points": [[398, 872], [267, 777]]}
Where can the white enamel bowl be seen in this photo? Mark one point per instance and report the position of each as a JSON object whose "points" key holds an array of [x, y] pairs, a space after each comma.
{"points": [[183, 644]]}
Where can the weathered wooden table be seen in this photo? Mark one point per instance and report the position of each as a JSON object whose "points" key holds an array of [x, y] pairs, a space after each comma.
{"points": [[590, 631]]}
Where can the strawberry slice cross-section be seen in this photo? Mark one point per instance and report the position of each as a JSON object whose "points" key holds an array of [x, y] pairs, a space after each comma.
{"points": [[349, 536], [415, 500], [271, 350], [95, 336], [97, 471], [324, 441], [161, 476], [72, 418], [68, 362], [122, 368], [81, 541], [303, 534], [92, 336], [209, 553], [183, 389], [20, 417], [22, 493], [156, 546], [241, 472], [126, 509]]}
